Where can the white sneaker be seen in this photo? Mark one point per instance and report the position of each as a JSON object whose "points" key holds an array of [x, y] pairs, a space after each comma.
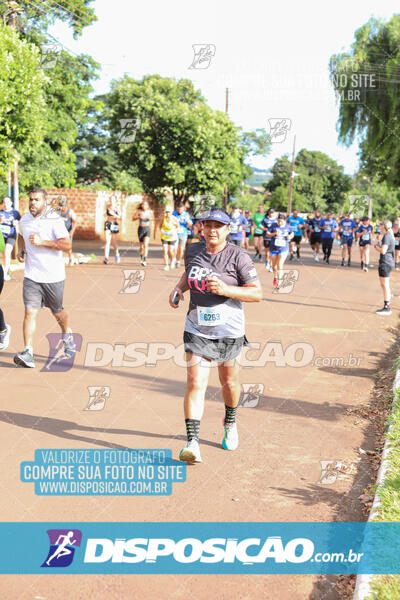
{"points": [[178, 263], [365, 269], [166, 268], [173, 263], [231, 437], [5, 338], [316, 258], [7, 277], [384, 311], [191, 453]]}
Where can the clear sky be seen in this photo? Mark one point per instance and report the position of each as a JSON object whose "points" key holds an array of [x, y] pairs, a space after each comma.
{"points": [[273, 57]]}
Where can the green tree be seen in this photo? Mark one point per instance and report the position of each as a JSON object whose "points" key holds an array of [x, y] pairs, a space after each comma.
{"points": [[67, 89], [179, 142], [77, 13], [319, 182], [246, 200], [280, 174], [279, 199], [22, 114], [366, 82]]}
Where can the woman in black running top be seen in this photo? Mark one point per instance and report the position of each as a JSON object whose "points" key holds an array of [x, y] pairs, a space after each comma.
{"points": [[111, 229], [146, 217], [386, 263]]}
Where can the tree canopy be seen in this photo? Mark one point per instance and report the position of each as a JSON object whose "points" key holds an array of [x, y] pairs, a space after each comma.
{"points": [[366, 81], [161, 131], [46, 92], [319, 182], [22, 113], [76, 13]]}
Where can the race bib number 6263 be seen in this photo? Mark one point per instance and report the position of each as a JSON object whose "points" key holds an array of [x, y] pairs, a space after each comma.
{"points": [[210, 316]]}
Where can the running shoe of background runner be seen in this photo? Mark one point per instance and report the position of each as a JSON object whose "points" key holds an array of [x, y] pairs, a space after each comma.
{"points": [[231, 437], [24, 359], [69, 346], [191, 453], [384, 311], [5, 338]]}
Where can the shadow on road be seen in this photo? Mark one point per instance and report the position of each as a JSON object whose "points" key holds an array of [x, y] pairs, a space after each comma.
{"points": [[61, 429]]}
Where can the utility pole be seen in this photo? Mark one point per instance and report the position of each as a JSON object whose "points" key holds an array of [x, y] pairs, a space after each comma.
{"points": [[11, 19], [289, 206], [226, 192]]}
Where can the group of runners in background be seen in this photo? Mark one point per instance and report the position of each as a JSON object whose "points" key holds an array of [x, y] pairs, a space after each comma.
{"points": [[275, 236]]}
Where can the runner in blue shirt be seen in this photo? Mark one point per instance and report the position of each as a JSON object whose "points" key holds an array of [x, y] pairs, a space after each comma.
{"points": [[314, 226], [347, 229], [328, 226], [280, 235], [238, 222], [296, 224], [9, 218], [265, 225], [364, 237], [248, 229], [185, 226]]}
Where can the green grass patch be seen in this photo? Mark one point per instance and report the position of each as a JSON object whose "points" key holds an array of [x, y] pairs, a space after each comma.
{"points": [[387, 587]]}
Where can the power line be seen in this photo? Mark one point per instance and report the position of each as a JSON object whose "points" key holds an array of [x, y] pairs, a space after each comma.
{"points": [[60, 43], [51, 8], [78, 9], [49, 35], [80, 20]]}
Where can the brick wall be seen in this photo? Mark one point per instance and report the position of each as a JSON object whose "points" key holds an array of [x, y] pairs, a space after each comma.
{"points": [[90, 208]]}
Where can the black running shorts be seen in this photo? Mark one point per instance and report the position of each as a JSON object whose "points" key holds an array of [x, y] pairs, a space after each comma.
{"points": [[219, 350], [143, 232], [384, 270]]}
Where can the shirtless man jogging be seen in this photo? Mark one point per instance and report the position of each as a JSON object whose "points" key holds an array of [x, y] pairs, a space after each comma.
{"points": [[43, 242]]}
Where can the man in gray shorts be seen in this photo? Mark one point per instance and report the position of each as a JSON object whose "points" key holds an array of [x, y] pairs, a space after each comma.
{"points": [[43, 240]]}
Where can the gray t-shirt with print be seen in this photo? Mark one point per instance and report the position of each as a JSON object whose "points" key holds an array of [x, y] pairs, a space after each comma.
{"points": [[388, 257], [210, 315]]}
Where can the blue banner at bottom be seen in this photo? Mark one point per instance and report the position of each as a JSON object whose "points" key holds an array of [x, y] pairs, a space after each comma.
{"points": [[231, 548]]}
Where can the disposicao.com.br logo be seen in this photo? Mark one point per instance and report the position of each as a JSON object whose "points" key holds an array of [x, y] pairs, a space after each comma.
{"points": [[190, 550], [194, 547]]}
